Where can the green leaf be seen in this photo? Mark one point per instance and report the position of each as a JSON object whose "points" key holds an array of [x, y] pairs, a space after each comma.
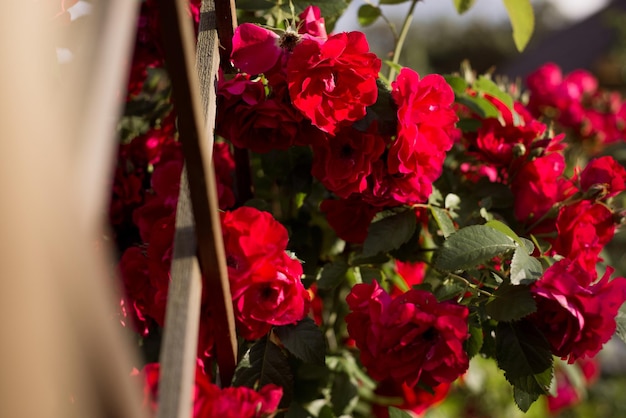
{"points": [[471, 246], [332, 274], [511, 303], [525, 269], [620, 320], [524, 355], [522, 19], [265, 363], [392, 1], [368, 14], [458, 84], [475, 341], [304, 340], [254, 4], [343, 394], [389, 233], [463, 6], [486, 86], [398, 413], [479, 105], [443, 221]]}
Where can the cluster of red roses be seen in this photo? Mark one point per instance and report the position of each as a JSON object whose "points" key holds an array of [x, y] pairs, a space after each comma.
{"points": [[209, 401], [597, 117], [308, 88]]}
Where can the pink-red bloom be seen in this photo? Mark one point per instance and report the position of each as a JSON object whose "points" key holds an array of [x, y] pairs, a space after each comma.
{"points": [[605, 175], [265, 281], [332, 82], [410, 339], [576, 313], [209, 401]]}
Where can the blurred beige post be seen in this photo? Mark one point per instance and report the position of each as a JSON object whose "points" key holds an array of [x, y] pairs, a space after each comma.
{"points": [[61, 354]]}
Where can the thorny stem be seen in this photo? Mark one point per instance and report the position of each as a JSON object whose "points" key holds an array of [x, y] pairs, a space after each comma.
{"points": [[469, 284], [400, 42]]}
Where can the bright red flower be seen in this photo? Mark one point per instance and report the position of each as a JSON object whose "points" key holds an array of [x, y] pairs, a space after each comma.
{"points": [[349, 218], [250, 236], [343, 163], [604, 174], [425, 121], [410, 339], [333, 82], [209, 401], [415, 399], [584, 228], [576, 315], [272, 294], [538, 185]]}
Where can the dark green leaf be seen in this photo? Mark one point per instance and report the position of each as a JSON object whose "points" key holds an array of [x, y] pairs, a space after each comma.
{"points": [[368, 14], [332, 274], [398, 413], [296, 410], [458, 84], [463, 6], [511, 303], [486, 86], [369, 274], [471, 246], [475, 341], [524, 399], [304, 340], [342, 394], [499, 226], [389, 233], [522, 19], [620, 319], [330, 9], [524, 355], [265, 363], [326, 412], [392, 1], [254, 4], [525, 268], [479, 105], [443, 221]]}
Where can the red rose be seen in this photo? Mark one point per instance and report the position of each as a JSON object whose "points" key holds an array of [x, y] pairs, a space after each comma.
{"points": [[251, 235], [410, 339], [584, 228], [425, 121], [415, 399], [271, 294], [332, 82], [343, 163], [538, 186], [567, 390], [349, 218], [576, 315], [240, 402], [605, 174]]}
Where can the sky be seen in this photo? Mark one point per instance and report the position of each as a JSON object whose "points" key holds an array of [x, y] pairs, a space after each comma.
{"points": [[491, 10]]}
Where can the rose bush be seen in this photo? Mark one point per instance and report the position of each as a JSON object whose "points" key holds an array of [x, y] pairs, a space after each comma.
{"points": [[399, 227]]}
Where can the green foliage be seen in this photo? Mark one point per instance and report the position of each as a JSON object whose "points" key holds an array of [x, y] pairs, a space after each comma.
{"points": [[389, 233], [368, 14], [522, 19], [265, 363], [304, 340], [471, 246], [443, 221], [524, 355], [463, 6], [332, 274], [398, 413], [511, 303]]}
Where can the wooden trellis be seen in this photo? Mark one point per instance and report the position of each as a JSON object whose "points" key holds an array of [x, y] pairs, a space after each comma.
{"points": [[198, 246]]}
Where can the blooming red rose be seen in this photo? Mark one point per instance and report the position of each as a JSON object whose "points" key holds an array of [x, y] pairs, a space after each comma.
{"points": [[425, 121], [349, 218], [271, 294], [584, 228], [603, 173], [576, 315], [209, 401], [343, 163], [410, 339], [538, 185], [415, 399], [251, 235], [332, 82]]}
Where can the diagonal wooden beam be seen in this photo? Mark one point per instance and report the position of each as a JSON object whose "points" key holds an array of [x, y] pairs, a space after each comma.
{"points": [[196, 134]]}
